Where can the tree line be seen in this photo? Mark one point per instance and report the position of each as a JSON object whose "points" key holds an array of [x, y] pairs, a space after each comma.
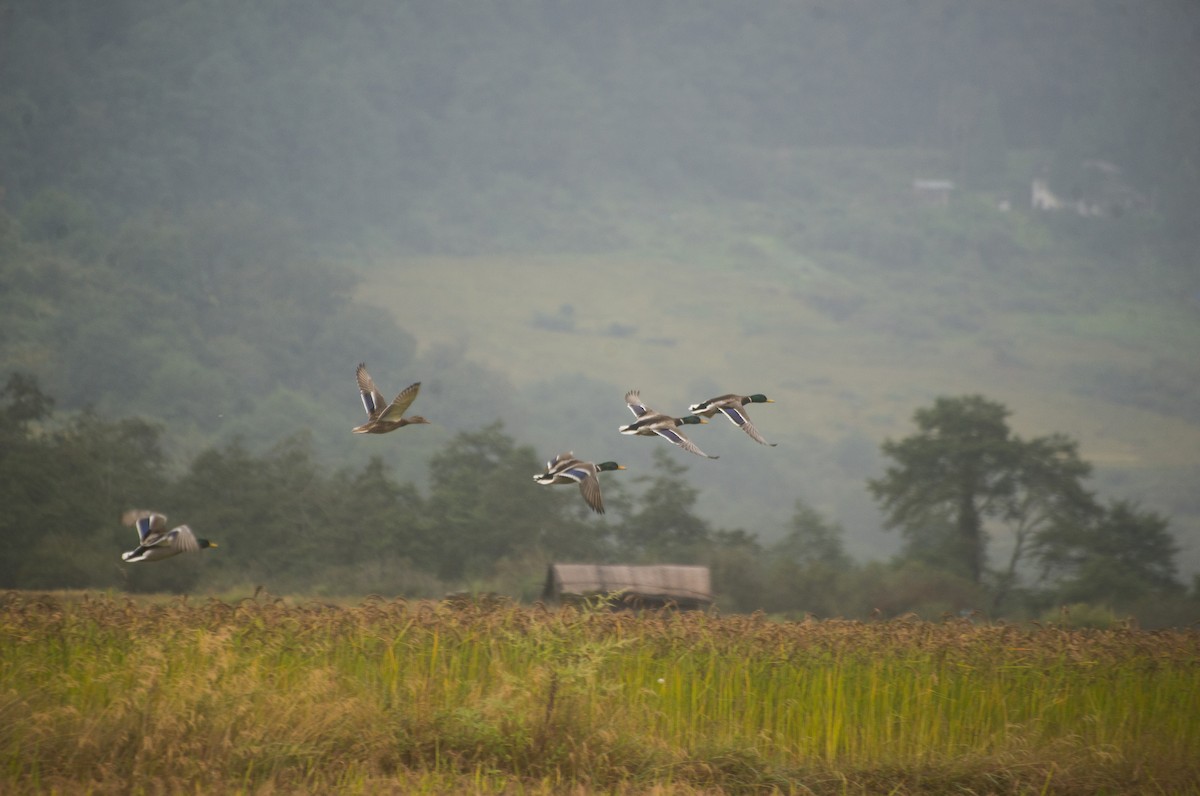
{"points": [[285, 522]]}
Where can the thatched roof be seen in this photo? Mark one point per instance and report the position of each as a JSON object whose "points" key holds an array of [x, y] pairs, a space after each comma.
{"points": [[655, 584]]}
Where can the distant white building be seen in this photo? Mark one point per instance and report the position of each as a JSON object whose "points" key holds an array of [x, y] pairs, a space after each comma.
{"points": [[1103, 193], [934, 192], [1043, 198]]}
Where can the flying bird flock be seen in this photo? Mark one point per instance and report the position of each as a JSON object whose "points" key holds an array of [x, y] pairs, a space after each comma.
{"points": [[155, 542]]}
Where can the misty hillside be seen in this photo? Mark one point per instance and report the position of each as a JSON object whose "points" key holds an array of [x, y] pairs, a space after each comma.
{"points": [[212, 212], [428, 124]]}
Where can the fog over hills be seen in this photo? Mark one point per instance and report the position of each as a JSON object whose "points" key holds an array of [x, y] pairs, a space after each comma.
{"points": [[534, 206]]}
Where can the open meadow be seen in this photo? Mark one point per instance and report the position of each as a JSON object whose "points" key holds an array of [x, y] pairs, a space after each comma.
{"points": [[101, 693]]}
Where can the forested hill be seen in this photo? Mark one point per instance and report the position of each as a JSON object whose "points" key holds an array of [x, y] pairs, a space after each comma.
{"points": [[210, 212], [439, 126]]}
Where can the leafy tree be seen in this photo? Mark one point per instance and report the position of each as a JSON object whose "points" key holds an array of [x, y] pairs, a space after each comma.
{"points": [[64, 489], [25, 404], [662, 526], [482, 505], [27, 474], [121, 465], [1125, 554], [813, 539], [272, 514], [807, 567], [374, 537], [964, 467], [1047, 493], [376, 516], [736, 562], [948, 478]]}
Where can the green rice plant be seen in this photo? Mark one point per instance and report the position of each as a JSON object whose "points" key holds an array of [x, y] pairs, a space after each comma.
{"points": [[103, 693]]}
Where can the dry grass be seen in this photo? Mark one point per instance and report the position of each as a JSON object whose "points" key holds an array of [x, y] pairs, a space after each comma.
{"points": [[106, 694]]}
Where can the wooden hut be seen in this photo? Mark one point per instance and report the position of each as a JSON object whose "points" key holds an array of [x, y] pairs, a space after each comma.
{"points": [[650, 586]]}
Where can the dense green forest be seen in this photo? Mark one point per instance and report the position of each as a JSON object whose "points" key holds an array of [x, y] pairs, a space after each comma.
{"points": [[457, 127], [193, 196]]}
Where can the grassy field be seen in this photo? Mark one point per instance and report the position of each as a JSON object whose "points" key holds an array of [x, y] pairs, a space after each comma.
{"points": [[104, 694], [847, 356]]}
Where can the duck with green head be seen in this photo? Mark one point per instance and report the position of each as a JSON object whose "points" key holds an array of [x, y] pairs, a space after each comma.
{"points": [[566, 469], [731, 406], [155, 541], [650, 423]]}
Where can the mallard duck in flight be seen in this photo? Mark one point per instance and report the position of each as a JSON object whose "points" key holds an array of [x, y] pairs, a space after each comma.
{"points": [[155, 541], [381, 417], [650, 423], [566, 469], [731, 406]]}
